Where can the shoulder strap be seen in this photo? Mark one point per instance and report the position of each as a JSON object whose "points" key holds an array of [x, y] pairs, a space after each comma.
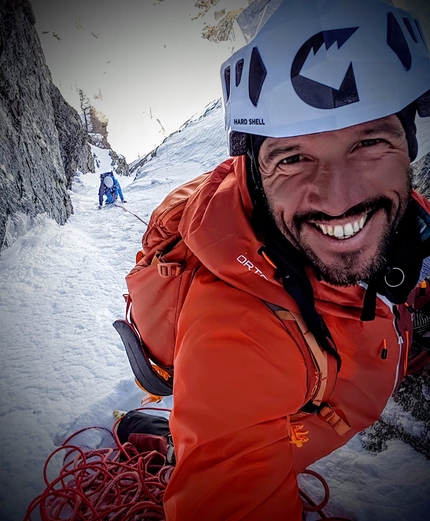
{"points": [[322, 372]]}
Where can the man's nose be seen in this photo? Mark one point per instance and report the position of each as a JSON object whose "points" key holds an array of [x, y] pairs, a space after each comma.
{"points": [[337, 186]]}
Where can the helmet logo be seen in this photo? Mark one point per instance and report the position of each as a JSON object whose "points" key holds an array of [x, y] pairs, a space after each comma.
{"points": [[315, 93]]}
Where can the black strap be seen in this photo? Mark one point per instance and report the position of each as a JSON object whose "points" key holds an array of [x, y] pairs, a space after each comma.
{"points": [[289, 261], [400, 274]]}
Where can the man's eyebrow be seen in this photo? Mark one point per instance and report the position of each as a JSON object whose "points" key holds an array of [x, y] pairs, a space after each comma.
{"points": [[384, 128], [280, 150]]}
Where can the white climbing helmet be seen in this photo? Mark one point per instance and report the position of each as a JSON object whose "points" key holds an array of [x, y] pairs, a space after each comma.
{"points": [[108, 181], [319, 65]]}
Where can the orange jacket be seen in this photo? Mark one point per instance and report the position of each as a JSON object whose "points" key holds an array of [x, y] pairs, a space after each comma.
{"points": [[239, 373]]}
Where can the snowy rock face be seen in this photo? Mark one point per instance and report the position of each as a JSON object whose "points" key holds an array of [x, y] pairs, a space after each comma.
{"points": [[119, 164], [421, 175], [407, 417], [73, 140], [96, 124], [42, 141]]}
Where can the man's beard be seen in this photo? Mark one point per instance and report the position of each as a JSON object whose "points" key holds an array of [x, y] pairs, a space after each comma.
{"points": [[349, 270]]}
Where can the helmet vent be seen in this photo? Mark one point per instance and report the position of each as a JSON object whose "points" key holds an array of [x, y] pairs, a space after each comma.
{"points": [[410, 29], [397, 41], [239, 70], [421, 33], [227, 81], [257, 75]]}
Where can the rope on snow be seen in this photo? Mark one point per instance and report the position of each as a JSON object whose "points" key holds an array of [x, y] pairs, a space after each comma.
{"points": [[119, 484], [126, 210]]}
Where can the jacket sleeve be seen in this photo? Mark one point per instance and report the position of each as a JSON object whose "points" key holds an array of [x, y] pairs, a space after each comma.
{"points": [[118, 188], [101, 193], [237, 377]]}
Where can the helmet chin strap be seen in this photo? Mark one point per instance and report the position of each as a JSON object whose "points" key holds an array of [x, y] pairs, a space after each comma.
{"points": [[289, 261], [407, 119], [402, 269]]}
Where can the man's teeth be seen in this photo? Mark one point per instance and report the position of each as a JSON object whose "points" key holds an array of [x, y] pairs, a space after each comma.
{"points": [[343, 232]]}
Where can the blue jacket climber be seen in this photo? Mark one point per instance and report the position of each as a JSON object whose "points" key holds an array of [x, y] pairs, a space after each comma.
{"points": [[110, 188]]}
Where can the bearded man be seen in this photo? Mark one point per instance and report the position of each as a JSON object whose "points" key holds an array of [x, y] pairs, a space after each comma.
{"points": [[310, 234]]}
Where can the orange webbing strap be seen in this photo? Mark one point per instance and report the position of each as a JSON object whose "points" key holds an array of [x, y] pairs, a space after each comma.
{"points": [[320, 358], [166, 269], [150, 397], [336, 422], [326, 368]]}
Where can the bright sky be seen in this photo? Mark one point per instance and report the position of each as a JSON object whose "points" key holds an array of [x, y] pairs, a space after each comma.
{"points": [[145, 57]]}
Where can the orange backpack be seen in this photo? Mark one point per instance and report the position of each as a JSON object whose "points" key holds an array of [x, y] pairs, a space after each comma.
{"points": [[157, 287]]}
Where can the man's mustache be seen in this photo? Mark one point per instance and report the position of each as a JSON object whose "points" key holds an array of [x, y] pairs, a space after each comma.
{"points": [[369, 206]]}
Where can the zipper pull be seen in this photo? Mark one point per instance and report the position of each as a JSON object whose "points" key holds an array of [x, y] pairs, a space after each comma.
{"points": [[384, 352]]}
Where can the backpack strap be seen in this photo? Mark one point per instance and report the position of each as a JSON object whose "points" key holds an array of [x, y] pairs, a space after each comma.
{"points": [[322, 374]]}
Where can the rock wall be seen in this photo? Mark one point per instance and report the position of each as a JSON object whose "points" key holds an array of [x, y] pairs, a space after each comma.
{"points": [[421, 176], [42, 141], [73, 139]]}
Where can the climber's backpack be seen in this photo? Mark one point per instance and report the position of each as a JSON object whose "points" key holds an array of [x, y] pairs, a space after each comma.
{"points": [[107, 188], [157, 287]]}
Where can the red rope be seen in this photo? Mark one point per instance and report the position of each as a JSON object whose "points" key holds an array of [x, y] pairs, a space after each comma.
{"points": [[118, 484], [311, 506], [418, 362]]}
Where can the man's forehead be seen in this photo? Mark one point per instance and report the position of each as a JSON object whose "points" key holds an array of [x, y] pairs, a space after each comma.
{"points": [[388, 124]]}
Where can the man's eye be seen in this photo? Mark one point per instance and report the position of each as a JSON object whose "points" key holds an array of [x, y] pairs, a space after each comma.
{"points": [[370, 142], [291, 160]]}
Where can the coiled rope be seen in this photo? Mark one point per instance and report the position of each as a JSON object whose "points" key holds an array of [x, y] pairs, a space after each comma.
{"points": [[118, 484], [115, 484]]}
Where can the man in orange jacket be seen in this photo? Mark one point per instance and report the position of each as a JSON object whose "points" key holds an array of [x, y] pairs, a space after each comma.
{"points": [[313, 215]]}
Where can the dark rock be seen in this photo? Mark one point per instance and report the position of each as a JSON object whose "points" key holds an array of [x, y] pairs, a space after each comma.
{"points": [[411, 424], [41, 139], [75, 151], [119, 164], [421, 175]]}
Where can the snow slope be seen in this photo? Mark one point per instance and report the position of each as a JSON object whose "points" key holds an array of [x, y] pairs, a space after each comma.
{"points": [[64, 366]]}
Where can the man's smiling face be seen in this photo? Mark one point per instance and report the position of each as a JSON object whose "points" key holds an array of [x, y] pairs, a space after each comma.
{"points": [[338, 196]]}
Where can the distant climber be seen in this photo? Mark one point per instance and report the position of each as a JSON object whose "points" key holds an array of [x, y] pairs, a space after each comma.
{"points": [[110, 188]]}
